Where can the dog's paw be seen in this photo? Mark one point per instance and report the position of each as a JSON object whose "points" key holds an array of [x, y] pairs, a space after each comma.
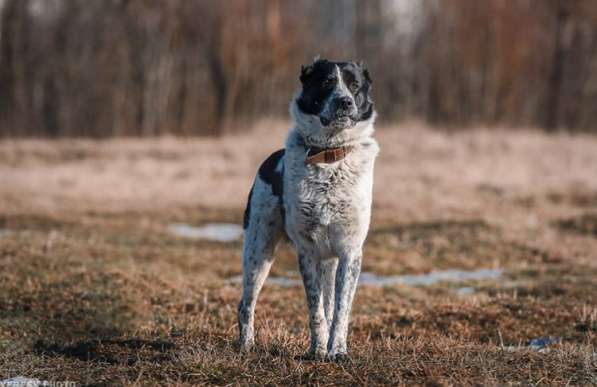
{"points": [[245, 346], [340, 357], [318, 355]]}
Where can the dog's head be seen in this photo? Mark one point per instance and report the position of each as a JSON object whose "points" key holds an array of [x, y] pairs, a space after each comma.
{"points": [[335, 96]]}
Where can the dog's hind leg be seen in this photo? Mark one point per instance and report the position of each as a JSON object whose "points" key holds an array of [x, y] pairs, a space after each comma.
{"points": [[263, 229]]}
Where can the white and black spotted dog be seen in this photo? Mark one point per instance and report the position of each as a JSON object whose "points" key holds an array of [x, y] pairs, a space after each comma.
{"points": [[318, 191]]}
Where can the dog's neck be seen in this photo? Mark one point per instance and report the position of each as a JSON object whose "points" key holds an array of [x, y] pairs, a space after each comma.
{"points": [[313, 134]]}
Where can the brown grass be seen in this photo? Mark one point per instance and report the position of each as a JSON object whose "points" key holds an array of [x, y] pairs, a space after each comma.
{"points": [[94, 290]]}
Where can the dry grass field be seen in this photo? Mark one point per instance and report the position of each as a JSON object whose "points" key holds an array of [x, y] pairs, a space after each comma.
{"points": [[95, 290]]}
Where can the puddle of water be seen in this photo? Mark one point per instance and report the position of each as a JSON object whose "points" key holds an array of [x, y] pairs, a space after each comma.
{"points": [[271, 280], [430, 278], [5, 232], [544, 342], [465, 291], [540, 344], [220, 232], [370, 279], [284, 281]]}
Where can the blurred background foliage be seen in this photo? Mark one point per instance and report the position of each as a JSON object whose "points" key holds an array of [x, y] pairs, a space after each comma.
{"points": [[100, 68]]}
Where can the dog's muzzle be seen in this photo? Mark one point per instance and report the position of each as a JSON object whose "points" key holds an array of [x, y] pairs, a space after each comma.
{"points": [[343, 111]]}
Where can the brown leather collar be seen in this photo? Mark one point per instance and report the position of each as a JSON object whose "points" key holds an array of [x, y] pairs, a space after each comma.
{"points": [[326, 155]]}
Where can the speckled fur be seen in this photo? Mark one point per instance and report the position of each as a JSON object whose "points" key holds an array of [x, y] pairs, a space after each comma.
{"points": [[327, 210]]}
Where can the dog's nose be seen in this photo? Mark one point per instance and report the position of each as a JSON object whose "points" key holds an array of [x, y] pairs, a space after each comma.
{"points": [[346, 102]]}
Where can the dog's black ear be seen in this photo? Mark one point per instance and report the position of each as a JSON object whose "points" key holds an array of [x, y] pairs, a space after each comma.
{"points": [[308, 69], [365, 71], [367, 76], [305, 72]]}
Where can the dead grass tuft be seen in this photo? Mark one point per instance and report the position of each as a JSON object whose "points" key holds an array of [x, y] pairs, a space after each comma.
{"points": [[585, 224]]}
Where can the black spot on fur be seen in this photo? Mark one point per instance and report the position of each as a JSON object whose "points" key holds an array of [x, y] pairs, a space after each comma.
{"points": [[268, 173], [248, 210], [283, 212]]}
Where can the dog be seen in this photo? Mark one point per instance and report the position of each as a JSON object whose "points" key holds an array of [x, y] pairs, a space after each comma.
{"points": [[317, 191]]}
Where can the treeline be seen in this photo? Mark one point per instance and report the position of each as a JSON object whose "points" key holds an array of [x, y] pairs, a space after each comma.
{"points": [[103, 68]]}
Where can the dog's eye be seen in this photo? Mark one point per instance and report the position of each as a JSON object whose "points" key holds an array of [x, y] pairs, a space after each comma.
{"points": [[354, 86], [329, 82]]}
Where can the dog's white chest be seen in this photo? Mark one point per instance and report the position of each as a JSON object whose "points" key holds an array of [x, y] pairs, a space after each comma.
{"points": [[331, 193], [327, 203]]}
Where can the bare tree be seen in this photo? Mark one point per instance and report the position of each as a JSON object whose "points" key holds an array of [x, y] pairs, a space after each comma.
{"points": [[148, 67]]}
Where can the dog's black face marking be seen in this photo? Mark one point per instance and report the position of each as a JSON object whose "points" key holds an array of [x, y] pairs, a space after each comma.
{"points": [[318, 79], [321, 82], [356, 77]]}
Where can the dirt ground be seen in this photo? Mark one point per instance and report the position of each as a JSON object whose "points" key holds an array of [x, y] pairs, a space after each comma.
{"points": [[95, 290]]}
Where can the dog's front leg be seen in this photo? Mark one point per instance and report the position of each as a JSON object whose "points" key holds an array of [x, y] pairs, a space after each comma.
{"points": [[347, 275], [328, 284], [310, 268]]}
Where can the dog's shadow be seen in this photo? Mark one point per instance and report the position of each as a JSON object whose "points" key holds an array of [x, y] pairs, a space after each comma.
{"points": [[85, 317], [111, 351]]}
